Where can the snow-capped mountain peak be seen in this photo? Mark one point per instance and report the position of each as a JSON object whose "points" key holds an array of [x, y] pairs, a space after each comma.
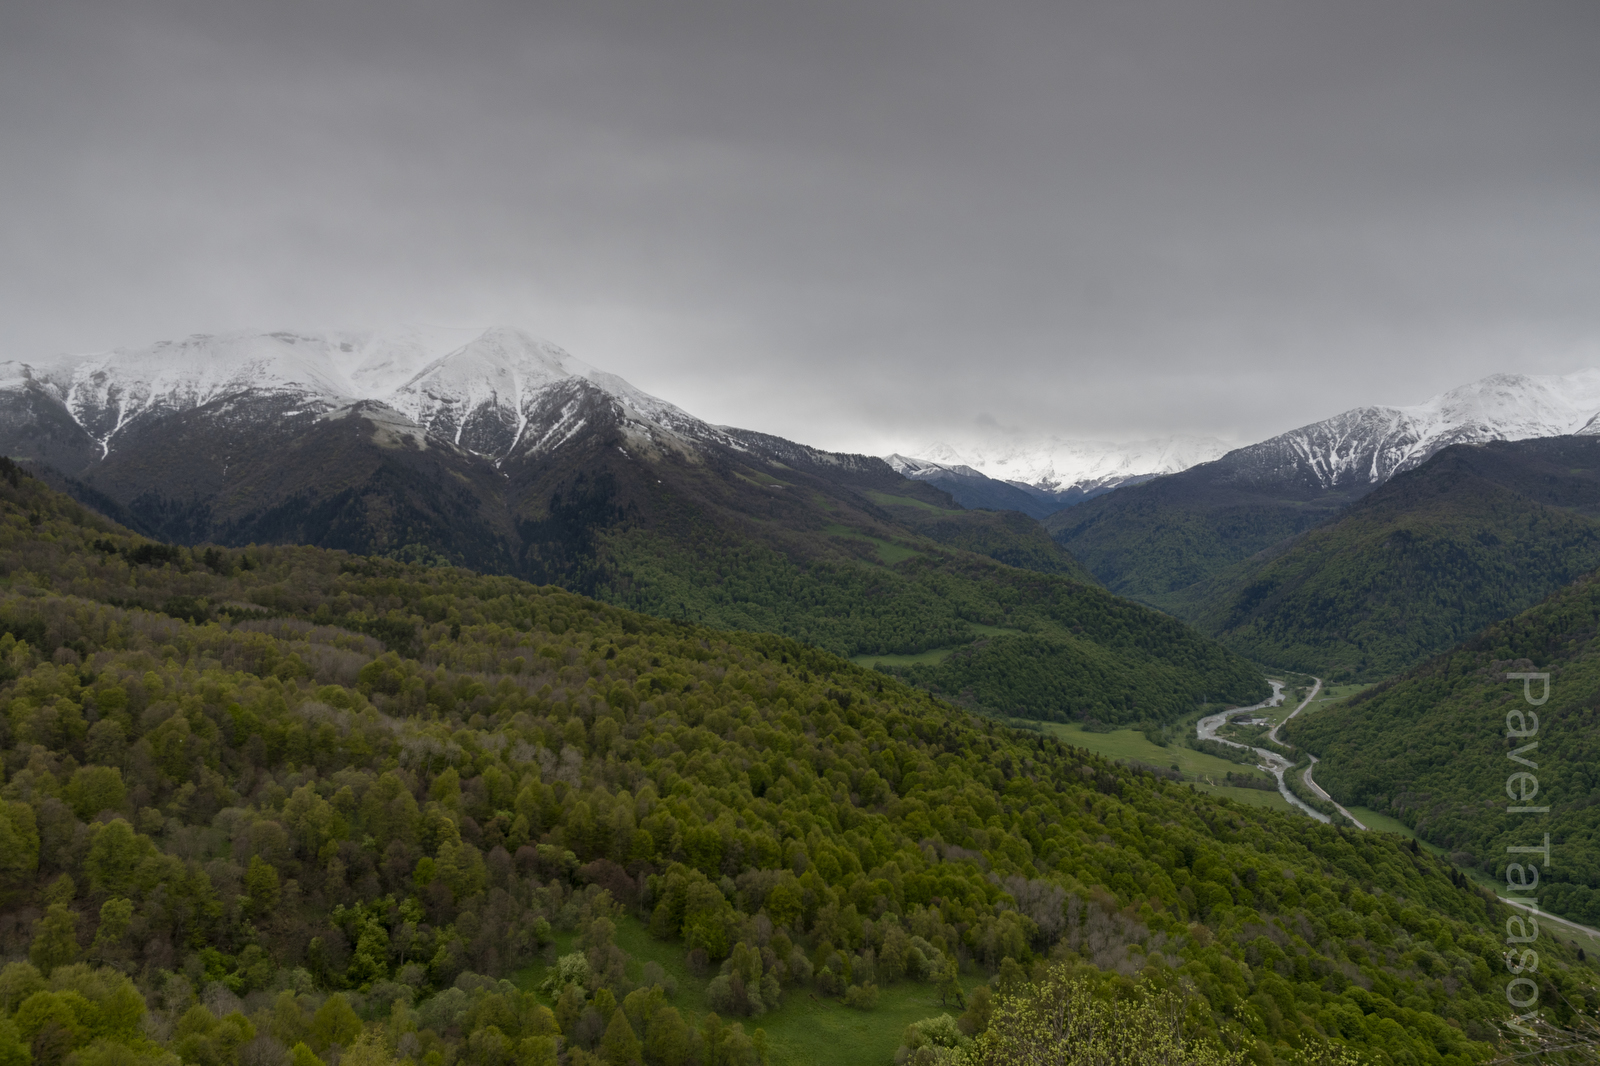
{"points": [[478, 389], [1369, 445]]}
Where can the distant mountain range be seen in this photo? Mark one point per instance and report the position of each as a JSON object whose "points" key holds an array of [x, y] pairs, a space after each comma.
{"points": [[1475, 534], [497, 450], [1362, 447], [1041, 477], [503, 453], [1153, 539]]}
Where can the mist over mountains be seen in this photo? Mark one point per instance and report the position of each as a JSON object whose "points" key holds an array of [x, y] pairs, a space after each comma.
{"points": [[1362, 447]]}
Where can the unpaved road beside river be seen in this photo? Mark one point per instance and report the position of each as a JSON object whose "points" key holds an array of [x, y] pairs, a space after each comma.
{"points": [[1271, 761]]}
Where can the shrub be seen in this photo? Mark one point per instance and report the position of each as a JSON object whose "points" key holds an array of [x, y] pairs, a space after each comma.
{"points": [[861, 997]]}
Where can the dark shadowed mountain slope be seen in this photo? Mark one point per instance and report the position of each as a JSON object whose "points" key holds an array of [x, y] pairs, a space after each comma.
{"points": [[1148, 541], [1476, 533], [1152, 540]]}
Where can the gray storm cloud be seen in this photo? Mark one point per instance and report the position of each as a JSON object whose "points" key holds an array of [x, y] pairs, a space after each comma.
{"points": [[862, 225]]}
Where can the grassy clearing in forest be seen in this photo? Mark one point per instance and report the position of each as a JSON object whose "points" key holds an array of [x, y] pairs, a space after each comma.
{"points": [[806, 1029], [932, 655], [1334, 693], [1206, 772], [1129, 744], [1253, 797]]}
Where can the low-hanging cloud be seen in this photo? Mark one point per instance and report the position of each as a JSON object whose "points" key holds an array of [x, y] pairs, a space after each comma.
{"points": [[862, 225]]}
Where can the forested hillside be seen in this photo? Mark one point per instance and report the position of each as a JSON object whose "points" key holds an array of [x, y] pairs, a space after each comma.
{"points": [[1152, 540], [1477, 533], [286, 805], [1430, 746], [727, 528]]}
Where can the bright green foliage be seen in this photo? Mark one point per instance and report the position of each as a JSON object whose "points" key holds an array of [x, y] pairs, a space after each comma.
{"points": [[55, 938], [115, 914], [544, 762], [335, 1023], [369, 1050], [13, 1052], [1063, 1020], [76, 1008], [1431, 747], [620, 1046], [261, 884], [94, 789], [202, 1038], [19, 834]]}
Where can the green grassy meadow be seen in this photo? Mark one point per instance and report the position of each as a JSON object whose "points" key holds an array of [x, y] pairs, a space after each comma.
{"points": [[932, 655], [1335, 693], [805, 1030], [1204, 771]]}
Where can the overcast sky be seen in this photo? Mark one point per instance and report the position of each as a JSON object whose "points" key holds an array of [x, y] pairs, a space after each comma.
{"points": [[861, 224]]}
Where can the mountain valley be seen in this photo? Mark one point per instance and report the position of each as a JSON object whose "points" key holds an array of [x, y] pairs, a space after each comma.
{"points": [[350, 807], [509, 456], [1477, 533]]}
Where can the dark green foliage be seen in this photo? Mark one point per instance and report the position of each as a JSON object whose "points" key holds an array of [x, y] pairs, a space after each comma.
{"points": [[1088, 653], [1152, 540], [1477, 533], [1008, 537], [306, 813], [1430, 747], [560, 547], [1113, 680]]}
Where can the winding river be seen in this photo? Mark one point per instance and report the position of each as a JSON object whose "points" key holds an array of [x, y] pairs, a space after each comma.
{"points": [[1271, 761]]}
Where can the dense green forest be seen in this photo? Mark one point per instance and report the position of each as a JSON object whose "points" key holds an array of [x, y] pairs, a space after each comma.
{"points": [[1155, 539], [1475, 534], [1071, 679], [1087, 653], [1008, 537], [282, 805], [1430, 747]]}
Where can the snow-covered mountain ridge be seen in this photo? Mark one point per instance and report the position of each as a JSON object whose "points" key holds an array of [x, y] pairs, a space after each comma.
{"points": [[1365, 445], [1053, 466], [1369, 445], [490, 392]]}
